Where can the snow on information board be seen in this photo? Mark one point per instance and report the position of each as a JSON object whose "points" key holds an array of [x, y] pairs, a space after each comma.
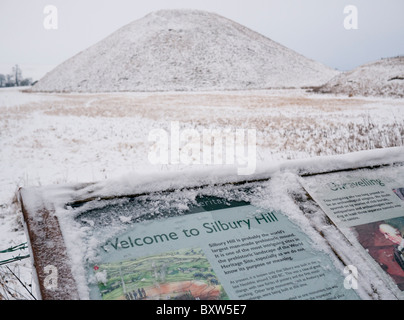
{"points": [[317, 229]]}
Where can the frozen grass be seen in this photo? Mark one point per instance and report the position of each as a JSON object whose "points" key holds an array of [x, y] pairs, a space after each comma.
{"points": [[60, 138], [288, 125], [70, 138]]}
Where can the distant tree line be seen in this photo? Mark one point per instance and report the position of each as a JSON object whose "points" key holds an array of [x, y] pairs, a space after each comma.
{"points": [[14, 79]]}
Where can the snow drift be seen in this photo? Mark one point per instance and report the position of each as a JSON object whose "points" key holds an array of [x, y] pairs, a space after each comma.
{"points": [[184, 50], [381, 78]]}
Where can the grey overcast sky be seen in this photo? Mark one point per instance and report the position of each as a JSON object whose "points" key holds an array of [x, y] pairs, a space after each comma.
{"points": [[313, 28]]}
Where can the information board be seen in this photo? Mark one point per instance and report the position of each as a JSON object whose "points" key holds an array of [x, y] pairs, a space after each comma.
{"points": [[368, 207], [216, 251], [281, 235]]}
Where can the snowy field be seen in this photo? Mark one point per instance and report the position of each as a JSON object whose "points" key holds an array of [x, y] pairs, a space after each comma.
{"points": [[50, 139]]}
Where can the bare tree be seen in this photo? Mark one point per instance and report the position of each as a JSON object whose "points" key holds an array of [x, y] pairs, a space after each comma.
{"points": [[14, 79], [9, 80], [26, 82], [17, 73]]}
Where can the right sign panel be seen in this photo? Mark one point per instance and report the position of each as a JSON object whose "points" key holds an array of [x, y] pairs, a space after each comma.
{"points": [[367, 205]]}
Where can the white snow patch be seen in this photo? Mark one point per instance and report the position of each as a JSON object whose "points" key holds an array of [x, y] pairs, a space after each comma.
{"points": [[184, 50]]}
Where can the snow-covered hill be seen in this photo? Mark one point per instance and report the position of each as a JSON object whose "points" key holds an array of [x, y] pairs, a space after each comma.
{"points": [[381, 78], [184, 50]]}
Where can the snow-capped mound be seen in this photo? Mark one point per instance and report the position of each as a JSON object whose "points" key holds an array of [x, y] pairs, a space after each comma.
{"points": [[172, 50], [381, 78]]}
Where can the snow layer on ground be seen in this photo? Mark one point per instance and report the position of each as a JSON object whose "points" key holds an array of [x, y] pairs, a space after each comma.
{"points": [[380, 78], [50, 139], [184, 50]]}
